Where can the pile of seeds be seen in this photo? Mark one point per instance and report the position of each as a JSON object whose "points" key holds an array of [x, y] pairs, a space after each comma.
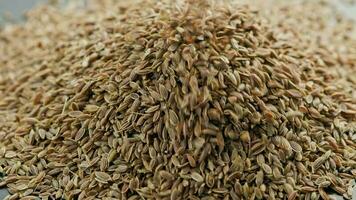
{"points": [[177, 100]]}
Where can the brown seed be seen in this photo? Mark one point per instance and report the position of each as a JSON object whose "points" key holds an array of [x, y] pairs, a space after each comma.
{"points": [[191, 160], [183, 102], [323, 194], [257, 148], [307, 189], [293, 195], [166, 175]]}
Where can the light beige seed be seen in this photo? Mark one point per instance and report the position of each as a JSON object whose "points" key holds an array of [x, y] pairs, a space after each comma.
{"points": [[245, 136], [319, 161], [197, 177], [2, 151], [259, 178], [122, 168], [10, 154], [267, 169], [173, 118], [102, 177], [295, 146]]}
